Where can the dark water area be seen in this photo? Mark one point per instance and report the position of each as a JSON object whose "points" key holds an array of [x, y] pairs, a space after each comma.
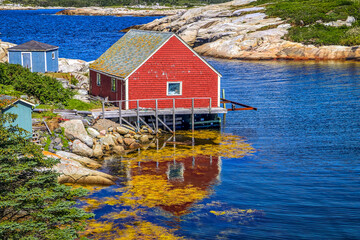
{"points": [[290, 170]]}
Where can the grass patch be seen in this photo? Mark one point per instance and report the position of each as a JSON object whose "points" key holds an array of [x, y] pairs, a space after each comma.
{"points": [[45, 114], [71, 79], [47, 144], [304, 14], [82, 106], [64, 140]]}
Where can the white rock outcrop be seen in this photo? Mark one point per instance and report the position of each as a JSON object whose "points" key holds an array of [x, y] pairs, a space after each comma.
{"points": [[4, 50], [234, 31], [81, 149], [72, 65], [74, 129], [85, 161]]}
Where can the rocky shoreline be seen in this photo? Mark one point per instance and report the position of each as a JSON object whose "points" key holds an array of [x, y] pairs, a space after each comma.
{"points": [[101, 11], [19, 7], [234, 30], [81, 150]]}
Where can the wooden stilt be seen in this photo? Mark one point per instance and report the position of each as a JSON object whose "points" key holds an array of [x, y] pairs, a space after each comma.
{"points": [[192, 115], [120, 117], [209, 105], [137, 115], [223, 96], [165, 126], [156, 117], [128, 123], [174, 119], [103, 109], [144, 122]]}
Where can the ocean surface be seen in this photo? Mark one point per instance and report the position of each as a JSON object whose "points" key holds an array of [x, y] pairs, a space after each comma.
{"points": [[290, 170]]}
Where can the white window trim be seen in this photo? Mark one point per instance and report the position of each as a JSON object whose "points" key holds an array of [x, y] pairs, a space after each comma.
{"points": [[98, 79], [113, 79], [167, 89], [45, 62], [53, 55], [22, 60]]}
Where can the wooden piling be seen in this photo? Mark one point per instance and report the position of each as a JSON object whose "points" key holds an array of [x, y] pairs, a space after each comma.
{"points": [[209, 105], [174, 119], [137, 115], [103, 109], [120, 117], [223, 96], [156, 117], [192, 115]]}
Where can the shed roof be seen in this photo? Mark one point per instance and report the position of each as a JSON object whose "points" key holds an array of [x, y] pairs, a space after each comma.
{"points": [[6, 101], [129, 52], [33, 46]]}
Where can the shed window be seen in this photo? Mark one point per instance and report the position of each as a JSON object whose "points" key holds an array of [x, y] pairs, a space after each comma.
{"points": [[53, 55], [174, 88], [175, 171], [113, 84], [98, 79]]}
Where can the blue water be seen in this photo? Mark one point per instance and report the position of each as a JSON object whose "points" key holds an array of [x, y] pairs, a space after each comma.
{"points": [[79, 37], [304, 176]]}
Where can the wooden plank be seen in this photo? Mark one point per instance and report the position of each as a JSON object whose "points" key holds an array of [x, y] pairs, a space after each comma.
{"points": [[192, 115], [128, 123], [120, 117], [166, 126], [223, 100], [241, 109], [142, 120], [103, 109], [137, 115], [156, 117], [174, 118]]}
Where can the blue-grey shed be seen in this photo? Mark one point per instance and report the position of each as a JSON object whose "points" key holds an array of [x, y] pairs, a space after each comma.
{"points": [[20, 107], [37, 56]]}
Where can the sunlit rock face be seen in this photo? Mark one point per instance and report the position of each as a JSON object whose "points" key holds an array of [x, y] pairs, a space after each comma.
{"points": [[236, 31], [4, 50]]}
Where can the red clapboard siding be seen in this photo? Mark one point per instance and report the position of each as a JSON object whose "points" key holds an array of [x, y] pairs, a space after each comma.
{"points": [[171, 63], [104, 90]]}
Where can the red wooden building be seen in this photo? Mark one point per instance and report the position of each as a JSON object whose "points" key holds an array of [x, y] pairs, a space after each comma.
{"points": [[154, 65]]}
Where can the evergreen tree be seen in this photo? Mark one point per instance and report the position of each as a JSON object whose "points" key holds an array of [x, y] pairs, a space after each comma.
{"points": [[33, 205]]}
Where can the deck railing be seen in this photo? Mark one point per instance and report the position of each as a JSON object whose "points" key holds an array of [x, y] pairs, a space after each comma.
{"points": [[156, 110]]}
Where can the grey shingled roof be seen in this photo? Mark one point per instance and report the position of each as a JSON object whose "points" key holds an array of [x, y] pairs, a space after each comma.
{"points": [[129, 52], [33, 46], [6, 101]]}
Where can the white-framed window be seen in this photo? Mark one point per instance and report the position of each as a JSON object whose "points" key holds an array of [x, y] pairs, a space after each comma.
{"points": [[175, 171], [53, 55], [174, 88], [98, 79], [113, 84]]}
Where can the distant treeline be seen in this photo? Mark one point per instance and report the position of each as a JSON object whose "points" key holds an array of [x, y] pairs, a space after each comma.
{"points": [[85, 3]]}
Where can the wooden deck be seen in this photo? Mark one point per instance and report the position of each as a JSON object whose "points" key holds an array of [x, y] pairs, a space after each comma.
{"points": [[152, 112]]}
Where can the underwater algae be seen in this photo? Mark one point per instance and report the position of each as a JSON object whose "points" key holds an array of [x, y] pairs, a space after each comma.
{"points": [[168, 182]]}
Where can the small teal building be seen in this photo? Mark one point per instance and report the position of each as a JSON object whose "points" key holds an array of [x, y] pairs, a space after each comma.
{"points": [[37, 56], [21, 108]]}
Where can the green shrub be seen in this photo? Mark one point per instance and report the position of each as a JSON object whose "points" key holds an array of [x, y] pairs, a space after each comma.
{"points": [[9, 90], [317, 34], [44, 88], [33, 204]]}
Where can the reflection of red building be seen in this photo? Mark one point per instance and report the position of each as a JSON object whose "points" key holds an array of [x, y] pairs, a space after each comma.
{"points": [[200, 171]]}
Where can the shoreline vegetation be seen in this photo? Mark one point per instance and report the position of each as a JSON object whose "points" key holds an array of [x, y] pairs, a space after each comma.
{"points": [[269, 29], [253, 30]]}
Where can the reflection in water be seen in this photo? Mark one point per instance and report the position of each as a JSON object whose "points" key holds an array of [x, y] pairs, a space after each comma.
{"points": [[165, 185]]}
